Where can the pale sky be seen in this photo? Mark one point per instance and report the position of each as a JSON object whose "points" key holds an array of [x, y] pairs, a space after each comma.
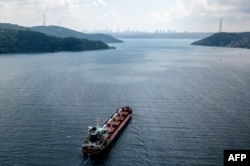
{"points": [[143, 15]]}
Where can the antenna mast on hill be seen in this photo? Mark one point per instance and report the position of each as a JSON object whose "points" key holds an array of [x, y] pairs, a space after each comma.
{"points": [[44, 24], [220, 25]]}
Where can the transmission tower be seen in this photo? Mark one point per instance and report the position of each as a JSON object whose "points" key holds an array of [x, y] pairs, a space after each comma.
{"points": [[220, 25], [44, 24]]}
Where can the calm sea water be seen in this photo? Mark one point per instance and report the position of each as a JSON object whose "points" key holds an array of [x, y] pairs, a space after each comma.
{"points": [[190, 103]]}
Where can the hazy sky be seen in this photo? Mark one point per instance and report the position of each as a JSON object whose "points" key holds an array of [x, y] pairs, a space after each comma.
{"points": [[144, 15]]}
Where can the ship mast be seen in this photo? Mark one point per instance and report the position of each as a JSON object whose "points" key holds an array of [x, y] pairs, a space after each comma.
{"points": [[97, 122]]}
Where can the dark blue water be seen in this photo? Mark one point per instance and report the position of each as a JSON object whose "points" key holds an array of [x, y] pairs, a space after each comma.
{"points": [[190, 103]]}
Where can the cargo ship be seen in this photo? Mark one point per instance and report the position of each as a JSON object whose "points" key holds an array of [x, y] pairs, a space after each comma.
{"points": [[100, 138]]}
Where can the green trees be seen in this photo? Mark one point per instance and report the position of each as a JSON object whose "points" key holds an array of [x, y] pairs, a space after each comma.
{"points": [[15, 41], [239, 40]]}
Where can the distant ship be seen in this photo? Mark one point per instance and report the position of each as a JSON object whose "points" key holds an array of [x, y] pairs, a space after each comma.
{"points": [[99, 138]]}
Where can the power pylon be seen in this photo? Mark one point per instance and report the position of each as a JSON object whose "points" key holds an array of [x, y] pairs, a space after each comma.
{"points": [[220, 25]]}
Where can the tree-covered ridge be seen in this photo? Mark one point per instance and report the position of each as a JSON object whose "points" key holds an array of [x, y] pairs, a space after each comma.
{"points": [[26, 41], [62, 32], [65, 32], [237, 40]]}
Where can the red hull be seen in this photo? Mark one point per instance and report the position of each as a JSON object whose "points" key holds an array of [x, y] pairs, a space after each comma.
{"points": [[114, 125]]}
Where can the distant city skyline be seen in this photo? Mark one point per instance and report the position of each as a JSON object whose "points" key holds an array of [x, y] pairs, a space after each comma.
{"points": [[128, 30], [121, 16]]}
